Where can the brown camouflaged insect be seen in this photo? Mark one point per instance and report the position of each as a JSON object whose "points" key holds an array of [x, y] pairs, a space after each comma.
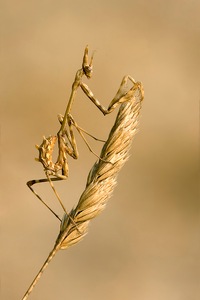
{"points": [[65, 136]]}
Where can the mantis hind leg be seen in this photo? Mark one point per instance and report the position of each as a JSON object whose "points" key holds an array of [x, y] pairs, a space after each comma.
{"points": [[80, 131], [34, 181]]}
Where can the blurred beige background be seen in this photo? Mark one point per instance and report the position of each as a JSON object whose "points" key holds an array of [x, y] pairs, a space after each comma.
{"points": [[145, 245]]}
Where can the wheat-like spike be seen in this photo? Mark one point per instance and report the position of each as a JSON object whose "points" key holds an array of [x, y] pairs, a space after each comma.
{"points": [[101, 179]]}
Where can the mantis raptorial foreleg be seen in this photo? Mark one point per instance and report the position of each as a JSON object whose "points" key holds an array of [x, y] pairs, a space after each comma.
{"points": [[120, 97]]}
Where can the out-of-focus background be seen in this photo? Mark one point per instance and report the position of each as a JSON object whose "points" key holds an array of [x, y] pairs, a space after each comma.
{"points": [[145, 245]]}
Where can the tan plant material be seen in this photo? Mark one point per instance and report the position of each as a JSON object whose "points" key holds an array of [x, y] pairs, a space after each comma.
{"points": [[102, 177]]}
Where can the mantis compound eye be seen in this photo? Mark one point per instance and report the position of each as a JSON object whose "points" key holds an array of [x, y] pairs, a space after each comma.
{"points": [[88, 71]]}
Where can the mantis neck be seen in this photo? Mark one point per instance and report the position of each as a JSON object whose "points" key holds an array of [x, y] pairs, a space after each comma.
{"points": [[75, 86]]}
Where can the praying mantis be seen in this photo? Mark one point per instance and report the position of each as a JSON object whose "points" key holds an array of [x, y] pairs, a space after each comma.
{"points": [[65, 136], [101, 179]]}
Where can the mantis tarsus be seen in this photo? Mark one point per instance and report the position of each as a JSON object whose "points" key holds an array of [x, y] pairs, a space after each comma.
{"points": [[65, 136]]}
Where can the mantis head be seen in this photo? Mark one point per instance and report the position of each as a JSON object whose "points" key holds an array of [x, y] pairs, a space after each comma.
{"points": [[87, 66]]}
